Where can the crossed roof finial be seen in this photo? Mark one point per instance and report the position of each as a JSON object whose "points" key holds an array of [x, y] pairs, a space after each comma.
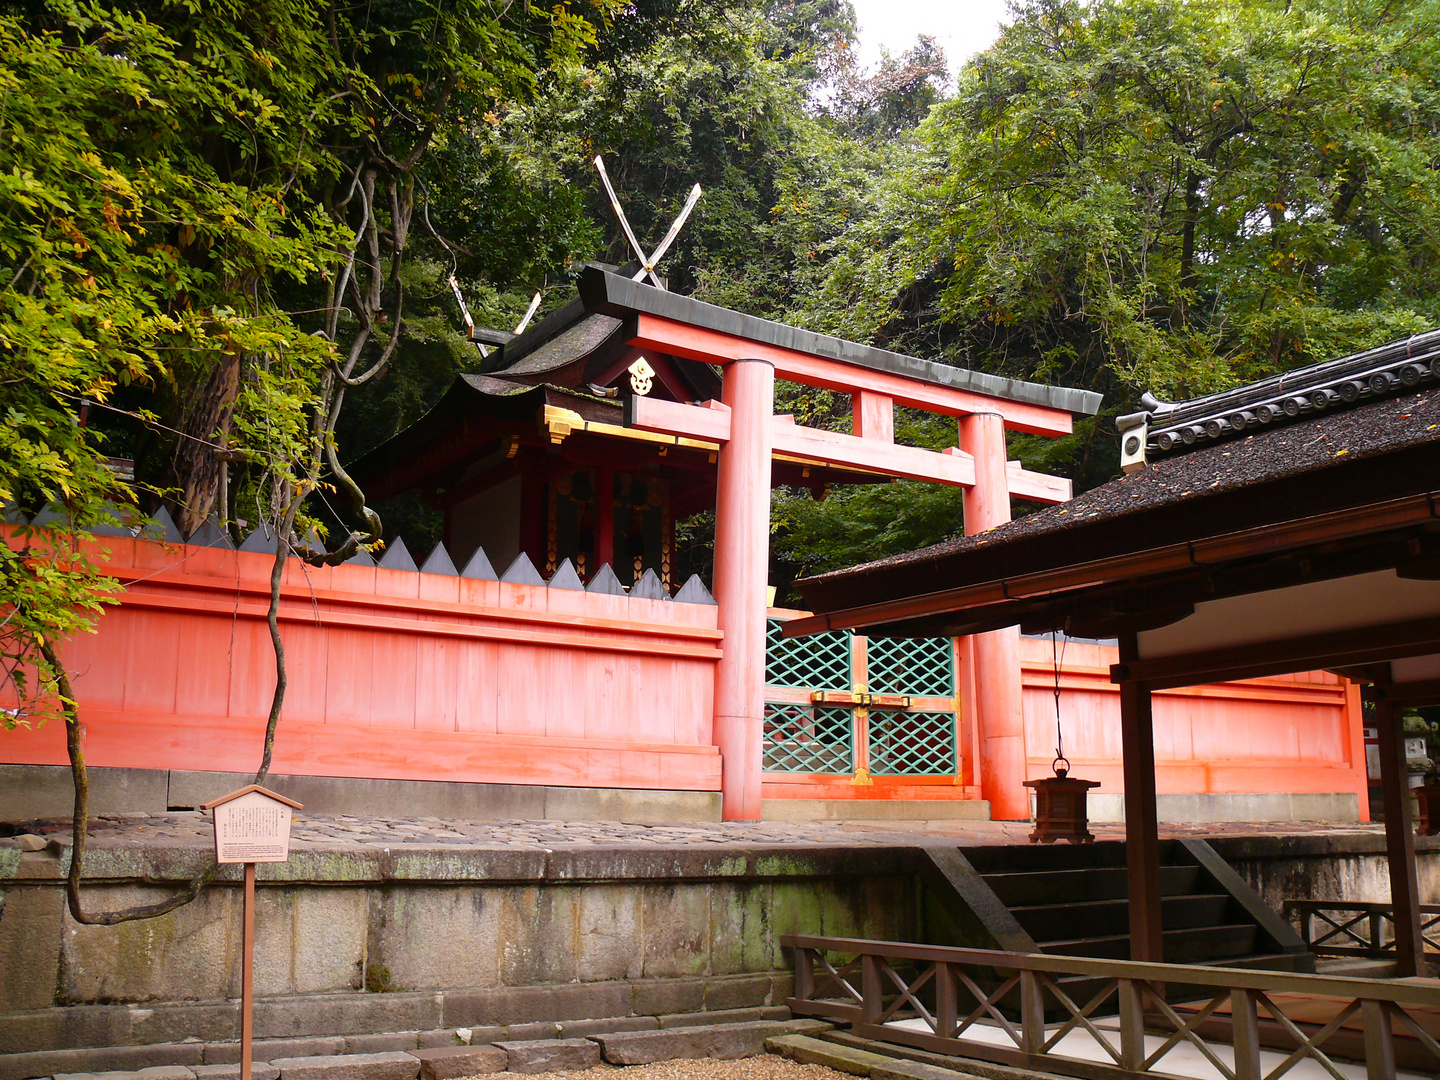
{"points": [[647, 262]]}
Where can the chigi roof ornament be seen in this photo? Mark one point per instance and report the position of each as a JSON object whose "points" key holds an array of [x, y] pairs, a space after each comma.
{"points": [[1162, 427]]}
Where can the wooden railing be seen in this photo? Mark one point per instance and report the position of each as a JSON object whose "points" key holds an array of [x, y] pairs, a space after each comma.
{"points": [[993, 1006], [1337, 928]]}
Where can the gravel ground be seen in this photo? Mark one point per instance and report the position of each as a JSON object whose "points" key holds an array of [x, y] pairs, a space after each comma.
{"points": [[764, 1067]]}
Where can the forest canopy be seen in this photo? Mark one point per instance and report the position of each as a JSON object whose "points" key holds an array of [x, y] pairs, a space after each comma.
{"points": [[227, 229]]}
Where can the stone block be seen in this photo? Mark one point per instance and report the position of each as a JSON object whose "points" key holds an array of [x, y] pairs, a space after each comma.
{"points": [[812, 1051], [441, 1037], [98, 1059], [259, 1070], [781, 987], [675, 928], [742, 928], [384, 1042], [665, 997], [155, 1072], [393, 1066], [454, 1062], [228, 1053], [738, 992], [531, 1004], [429, 938], [917, 1070], [541, 1029], [184, 954], [308, 941], [580, 1029], [46, 791], [64, 1028], [638, 805], [538, 934], [346, 1014], [724, 1041], [609, 932], [550, 1055], [719, 1016], [210, 1022], [348, 795]]}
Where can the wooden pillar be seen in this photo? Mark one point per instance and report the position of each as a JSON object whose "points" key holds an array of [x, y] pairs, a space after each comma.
{"points": [[604, 517], [1142, 830], [742, 558], [1400, 841], [998, 705]]}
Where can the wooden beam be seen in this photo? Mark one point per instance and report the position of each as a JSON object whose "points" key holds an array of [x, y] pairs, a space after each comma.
{"points": [[873, 415], [715, 347], [1400, 842], [1036, 486], [1404, 695], [1142, 830], [1339, 648]]}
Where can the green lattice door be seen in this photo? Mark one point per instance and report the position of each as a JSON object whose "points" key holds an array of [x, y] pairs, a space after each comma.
{"points": [[838, 704]]}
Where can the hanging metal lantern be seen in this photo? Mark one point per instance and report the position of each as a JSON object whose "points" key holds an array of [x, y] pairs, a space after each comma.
{"points": [[1062, 807], [1061, 802]]}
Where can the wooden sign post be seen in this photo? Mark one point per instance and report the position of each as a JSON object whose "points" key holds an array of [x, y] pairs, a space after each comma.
{"points": [[252, 826]]}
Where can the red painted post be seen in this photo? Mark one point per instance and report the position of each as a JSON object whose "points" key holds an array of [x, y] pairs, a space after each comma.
{"points": [[742, 557], [996, 655]]}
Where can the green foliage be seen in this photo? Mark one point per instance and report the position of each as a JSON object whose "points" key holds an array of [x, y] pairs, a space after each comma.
{"points": [[179, 187], [1149, 194]]}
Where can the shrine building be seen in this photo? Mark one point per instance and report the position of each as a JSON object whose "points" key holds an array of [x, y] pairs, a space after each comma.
{"points": [[545, 660]]}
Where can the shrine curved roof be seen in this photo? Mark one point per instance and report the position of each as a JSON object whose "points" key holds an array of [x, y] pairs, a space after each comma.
{"points": [[618, 296], [1384, 448]]}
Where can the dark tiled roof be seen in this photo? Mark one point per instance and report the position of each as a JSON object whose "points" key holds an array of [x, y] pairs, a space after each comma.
{"points": [[1125, 509]]}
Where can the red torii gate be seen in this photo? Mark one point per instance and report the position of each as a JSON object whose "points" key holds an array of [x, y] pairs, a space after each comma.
{"points": [[752, 353]]}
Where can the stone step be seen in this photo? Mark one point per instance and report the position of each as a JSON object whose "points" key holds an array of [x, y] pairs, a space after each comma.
{"points": [[723, 1041], [1048, 922], [1023, 887], [392, 1066], [548, 1055], [808, 1050], [797, 810], [455, 1062]]}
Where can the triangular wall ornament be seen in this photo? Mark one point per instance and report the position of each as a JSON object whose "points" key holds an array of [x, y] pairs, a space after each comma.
{"points": [[522, 572], [48, 517], [10, 514], [566, 578], [649, 587], [397, 557], [439, 562], [162, 527], [125, 520], [479, 568], [606, 582], [362, 557], [210, 535], [261, 541], [694, 592]]}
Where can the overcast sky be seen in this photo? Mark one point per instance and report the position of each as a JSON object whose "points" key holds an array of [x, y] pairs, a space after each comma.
{"points": [[962, 27]]}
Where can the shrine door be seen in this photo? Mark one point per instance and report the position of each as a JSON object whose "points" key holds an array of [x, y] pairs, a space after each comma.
{"points": [[871, 710]]}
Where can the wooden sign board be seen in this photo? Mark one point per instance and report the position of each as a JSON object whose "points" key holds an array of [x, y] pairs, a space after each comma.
{"points": [[252, 825]]}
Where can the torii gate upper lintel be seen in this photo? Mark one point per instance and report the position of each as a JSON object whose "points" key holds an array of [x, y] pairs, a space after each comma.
{"points": [[748, 434]]}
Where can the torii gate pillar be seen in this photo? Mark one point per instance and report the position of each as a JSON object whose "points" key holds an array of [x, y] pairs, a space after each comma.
{"points": [[998, 710], [742, 561]]}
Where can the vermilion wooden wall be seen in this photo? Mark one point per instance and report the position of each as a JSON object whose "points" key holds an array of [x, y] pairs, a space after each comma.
{"points": [[392, 674], [401, 675], [1290, 734]]}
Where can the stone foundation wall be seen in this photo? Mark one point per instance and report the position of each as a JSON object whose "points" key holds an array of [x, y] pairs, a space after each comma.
{"points": [[415, 940], [1326, 866]]}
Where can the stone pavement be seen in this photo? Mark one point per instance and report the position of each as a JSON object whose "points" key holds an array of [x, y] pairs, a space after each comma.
{"points": [[320, 833]]}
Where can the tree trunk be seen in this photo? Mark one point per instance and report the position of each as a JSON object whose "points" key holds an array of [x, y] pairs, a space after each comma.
{"points": [[205, 421]]}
